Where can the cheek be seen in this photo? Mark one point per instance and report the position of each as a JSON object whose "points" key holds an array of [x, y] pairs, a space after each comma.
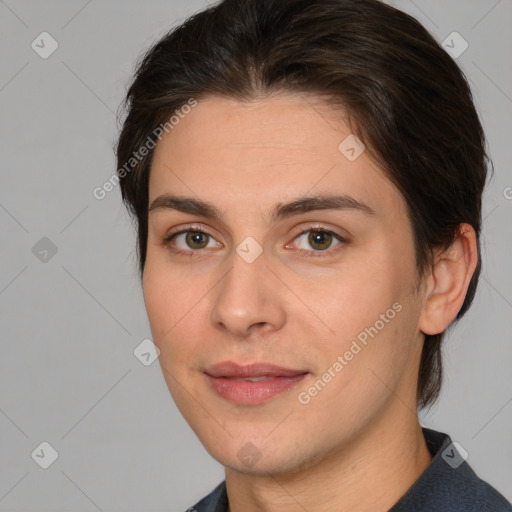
{"points": [[364, 373], [170, 302], [350, 300], [158, 301], [171, 305], [372, 317]]}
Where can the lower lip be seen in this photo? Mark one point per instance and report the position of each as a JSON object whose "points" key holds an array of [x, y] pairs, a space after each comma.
{"points": [[253, 393]]}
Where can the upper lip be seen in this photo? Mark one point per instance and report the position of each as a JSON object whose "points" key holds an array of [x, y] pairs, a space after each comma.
{"points": [[230, 369]]}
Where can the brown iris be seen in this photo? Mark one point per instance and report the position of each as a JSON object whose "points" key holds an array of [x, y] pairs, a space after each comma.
{"points": [[320, 240], [196, 239]]}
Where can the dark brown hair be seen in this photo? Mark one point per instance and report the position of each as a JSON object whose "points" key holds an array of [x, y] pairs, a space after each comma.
{"points": [[406, 98]]}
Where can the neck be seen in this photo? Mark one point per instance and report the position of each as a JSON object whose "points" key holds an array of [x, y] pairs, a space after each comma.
{"points": [[371, 474]]}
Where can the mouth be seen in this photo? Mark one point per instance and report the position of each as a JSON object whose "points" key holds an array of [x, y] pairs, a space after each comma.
{"points": [[252, 384]]}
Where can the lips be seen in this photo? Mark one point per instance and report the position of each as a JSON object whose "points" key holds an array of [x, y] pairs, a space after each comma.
{"points": [[252, 384], [232, 370]]}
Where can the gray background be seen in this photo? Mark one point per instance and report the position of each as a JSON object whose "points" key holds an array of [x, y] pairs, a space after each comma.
{"points": [[70, 323]]}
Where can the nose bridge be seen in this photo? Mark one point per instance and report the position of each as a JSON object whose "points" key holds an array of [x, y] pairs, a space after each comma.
{"points": [[247, 296]]}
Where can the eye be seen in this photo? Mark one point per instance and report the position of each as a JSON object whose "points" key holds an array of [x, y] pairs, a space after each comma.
{"points": [[312, 241], [191, 239], [317, 240]]}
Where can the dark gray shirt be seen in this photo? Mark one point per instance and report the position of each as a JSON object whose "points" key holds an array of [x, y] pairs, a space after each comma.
{"points": [[447, 485]]}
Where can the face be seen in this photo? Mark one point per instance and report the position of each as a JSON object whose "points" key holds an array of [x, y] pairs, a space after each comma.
{"points": [[279, 282]]}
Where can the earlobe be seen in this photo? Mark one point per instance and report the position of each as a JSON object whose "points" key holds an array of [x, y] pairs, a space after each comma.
{"points": [[448, 281]]}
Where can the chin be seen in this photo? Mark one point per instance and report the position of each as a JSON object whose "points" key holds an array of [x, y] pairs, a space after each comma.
{"points": [[256, 455]]}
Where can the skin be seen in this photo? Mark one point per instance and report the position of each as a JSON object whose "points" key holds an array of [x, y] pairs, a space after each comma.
{"points": [[357, 444]]}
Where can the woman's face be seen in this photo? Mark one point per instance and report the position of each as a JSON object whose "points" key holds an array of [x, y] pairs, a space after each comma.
{"points": [[289, 327]]}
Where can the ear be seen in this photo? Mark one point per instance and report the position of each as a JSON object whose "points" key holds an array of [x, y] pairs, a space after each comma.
{"points": [[448, 281]]}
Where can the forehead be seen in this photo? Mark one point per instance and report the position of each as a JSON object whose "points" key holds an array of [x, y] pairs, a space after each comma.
{"points": [[265, 151]]}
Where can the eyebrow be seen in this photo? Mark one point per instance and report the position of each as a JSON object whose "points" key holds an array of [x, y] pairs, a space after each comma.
{"points": [[195, 206]]}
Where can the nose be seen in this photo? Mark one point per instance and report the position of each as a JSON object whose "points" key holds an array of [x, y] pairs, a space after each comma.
{"points": [[248, 300]]}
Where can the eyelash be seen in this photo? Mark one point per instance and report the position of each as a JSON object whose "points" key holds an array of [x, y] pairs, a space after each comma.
{"points": [[310, 254]]}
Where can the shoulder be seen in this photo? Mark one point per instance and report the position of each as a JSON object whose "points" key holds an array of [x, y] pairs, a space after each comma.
{"points": [[216, 501], [449, 483]]}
